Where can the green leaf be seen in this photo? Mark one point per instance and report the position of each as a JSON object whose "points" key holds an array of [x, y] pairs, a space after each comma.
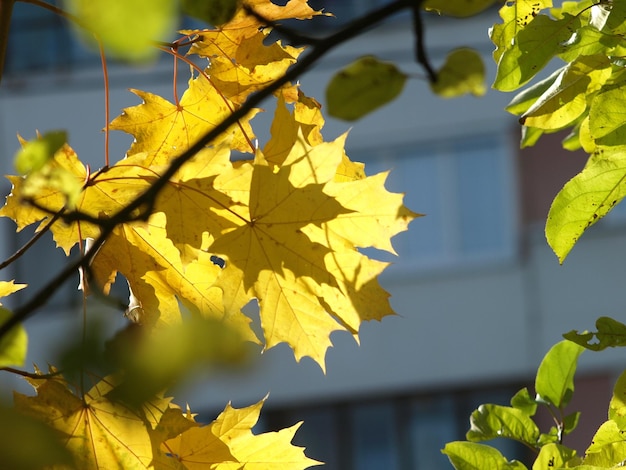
{"points": [[608, 447], [566, 99], [611, 333], [35, 153], [463, 72], [127, 29], [528, 96], [570, 422], [617, 406], [554, 383], [515, 17], [534, 47], [458, 8], [472, 456], [524, 402], [14, 344], [491, 421], [607, 117], [588, 41], [28, 444], [363, 86], [553, 456], [585, 199], [162, 359], [215, 12]]}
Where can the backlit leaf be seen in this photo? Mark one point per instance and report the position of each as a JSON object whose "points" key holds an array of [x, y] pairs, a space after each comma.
{"points": [[473, 456], [362, 87], [36, 153], [585, 199], [491, 421], [533, 48], [617, 406], [515, 17], [216, 12], [229, 443], [553, 456], [611, 333], [463, 72], [127, 28], [28, 444], [554, 383], [164, 130], [13, 344], [97, 432], [608, 448], [458, 8], [566, 99]]}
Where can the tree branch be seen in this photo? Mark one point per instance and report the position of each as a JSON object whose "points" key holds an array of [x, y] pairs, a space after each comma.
{"points": [[6, 9], [145, 201]]}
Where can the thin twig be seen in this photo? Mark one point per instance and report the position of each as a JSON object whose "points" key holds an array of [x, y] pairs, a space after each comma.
{"points": [[6, 9], [15, 256], [420, 49], [31, 375], [146, 201]]}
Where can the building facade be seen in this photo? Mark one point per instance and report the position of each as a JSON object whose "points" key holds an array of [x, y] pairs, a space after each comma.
{"points": [[479, 295]]}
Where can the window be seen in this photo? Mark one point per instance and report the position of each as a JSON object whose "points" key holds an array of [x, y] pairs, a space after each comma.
{"points": [[466, 190], [393, 433], [40, 40]]}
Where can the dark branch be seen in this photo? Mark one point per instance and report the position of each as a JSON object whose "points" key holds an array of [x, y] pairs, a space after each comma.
{"points": [[420, 50], [30, 242]]}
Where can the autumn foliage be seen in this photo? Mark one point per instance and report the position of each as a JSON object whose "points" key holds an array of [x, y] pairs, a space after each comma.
{"points": [[281, 226]]}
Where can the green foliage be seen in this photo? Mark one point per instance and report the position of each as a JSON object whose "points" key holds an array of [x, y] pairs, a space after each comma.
{"points": [[363, 86], [463, 72], [128, 28], [28, 444], [585, 95], [554, 383], [13, 345], [35, 153], [554, 386], [458, 8], [215, 12], [611, 333]]}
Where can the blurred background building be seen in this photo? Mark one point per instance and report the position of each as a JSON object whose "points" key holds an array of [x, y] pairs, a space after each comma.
{"points": [[479, 295]]}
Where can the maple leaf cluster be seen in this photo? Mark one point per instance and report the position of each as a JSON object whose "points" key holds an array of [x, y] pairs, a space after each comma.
{"points": [[282, 226]]}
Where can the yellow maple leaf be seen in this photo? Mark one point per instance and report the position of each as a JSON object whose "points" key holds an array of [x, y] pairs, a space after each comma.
{"points": [[252, 67], [164, 130], [303, 126], [225, 40], [9, 287], [104, 193], [150, 262], [292, 250], [50, 201], [99, 433], [228, 443]]}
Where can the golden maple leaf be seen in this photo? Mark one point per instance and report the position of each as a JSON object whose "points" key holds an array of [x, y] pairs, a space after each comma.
{"points": [[164, 130], [228, 443], [50, 200], [103, 194], [289, 240], [9, 287], [155, 272], [253, 66], [98, 432]]}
